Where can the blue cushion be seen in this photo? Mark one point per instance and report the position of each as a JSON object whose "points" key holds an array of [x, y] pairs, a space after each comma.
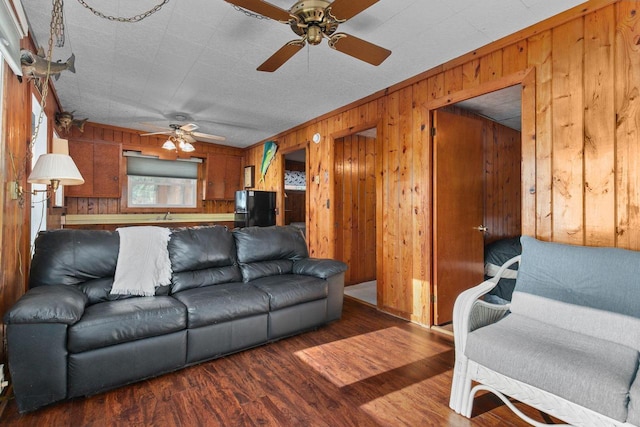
{"points": [[599, 278]]}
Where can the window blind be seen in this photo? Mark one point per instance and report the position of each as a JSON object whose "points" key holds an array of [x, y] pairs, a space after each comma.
{"points": [[145, 166]]}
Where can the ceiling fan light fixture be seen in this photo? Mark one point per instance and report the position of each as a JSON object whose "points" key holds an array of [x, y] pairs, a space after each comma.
{"points": [[169, 145], [187, 147]]}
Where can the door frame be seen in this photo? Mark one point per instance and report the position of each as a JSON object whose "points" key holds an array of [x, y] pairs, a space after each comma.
{"points": [[527, 79]]}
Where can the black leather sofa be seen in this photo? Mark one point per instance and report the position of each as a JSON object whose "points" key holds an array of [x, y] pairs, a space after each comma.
{"points": [[230, 290]]}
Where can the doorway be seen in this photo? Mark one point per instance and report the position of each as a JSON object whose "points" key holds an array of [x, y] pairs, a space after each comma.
{"points": [[355, 212], [295, 189], [491, 207]]}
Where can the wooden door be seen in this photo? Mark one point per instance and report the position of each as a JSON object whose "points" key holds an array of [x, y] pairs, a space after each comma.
{"points": [[458, 210]]}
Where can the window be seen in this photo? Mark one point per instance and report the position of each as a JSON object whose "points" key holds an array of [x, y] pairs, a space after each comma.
{"points": [[155, 183]]}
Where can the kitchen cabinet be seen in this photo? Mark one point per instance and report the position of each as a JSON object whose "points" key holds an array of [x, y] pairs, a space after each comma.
{"points": [[99, 164], [223, 176]]}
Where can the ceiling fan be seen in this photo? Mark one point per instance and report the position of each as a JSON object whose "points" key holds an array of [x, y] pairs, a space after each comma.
{"points": [[314, 20], [183, 137]]}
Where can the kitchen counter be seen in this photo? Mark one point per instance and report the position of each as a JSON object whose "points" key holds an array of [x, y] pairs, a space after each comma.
{"points": [[154, 218]]}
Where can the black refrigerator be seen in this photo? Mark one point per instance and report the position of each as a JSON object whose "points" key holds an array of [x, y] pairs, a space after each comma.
{"points": [[255, 208]]}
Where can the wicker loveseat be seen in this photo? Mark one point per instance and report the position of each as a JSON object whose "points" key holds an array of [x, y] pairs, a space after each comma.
{"points": [[569, 342]]}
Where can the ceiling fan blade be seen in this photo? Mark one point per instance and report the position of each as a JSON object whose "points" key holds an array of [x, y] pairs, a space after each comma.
{"points": [[157, 133], [342, 10], [188, 138], [281, 56], [264, 9], [208, 136], [189, 127], [358, 48]]}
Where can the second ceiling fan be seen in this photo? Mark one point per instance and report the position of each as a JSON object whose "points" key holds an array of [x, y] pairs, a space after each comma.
{"points": [[314, 20]]}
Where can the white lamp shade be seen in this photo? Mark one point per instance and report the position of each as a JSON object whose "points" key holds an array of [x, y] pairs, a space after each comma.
{"points": [[55, 167], [169, 145]]}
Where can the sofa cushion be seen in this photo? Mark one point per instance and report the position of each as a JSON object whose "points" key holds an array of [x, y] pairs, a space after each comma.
{"points": [[202, 256], [71, 257], [116, 322], [591, 372], [291, 289], [222, 303], [589, 290], [83, 258], [270, 243]]}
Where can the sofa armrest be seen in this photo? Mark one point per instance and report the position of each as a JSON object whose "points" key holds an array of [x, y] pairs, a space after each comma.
{"points": [[48, 304], [470, 313], [320, 268]]}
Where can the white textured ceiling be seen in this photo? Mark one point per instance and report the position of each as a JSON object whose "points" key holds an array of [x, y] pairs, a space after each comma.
{"points": [[199, 57]]}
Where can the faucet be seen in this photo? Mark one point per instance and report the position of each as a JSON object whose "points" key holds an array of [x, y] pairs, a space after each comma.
{"points": [[166, 217]]}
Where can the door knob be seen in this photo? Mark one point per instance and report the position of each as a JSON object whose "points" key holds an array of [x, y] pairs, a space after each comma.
{"points": [[481, 228]]}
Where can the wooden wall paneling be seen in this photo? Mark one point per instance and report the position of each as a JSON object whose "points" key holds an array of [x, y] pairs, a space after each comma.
{"points": [[471, 74], [405, 259], [325, 216], [491, 66], [537, 195], [420, 284], [627, 113], [510, 167], [389, 205], [436, 86], [452, 80], [514, 57], [327, 247], [315, 200], [338, 176], [599, 132], [568, 128]]}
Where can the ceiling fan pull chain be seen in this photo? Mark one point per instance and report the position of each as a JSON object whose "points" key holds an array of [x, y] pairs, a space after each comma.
{"points": [[136, 18]]}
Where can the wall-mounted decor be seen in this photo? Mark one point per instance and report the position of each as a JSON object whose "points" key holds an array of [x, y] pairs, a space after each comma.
{"points": [[249, 174], [269, 153]]}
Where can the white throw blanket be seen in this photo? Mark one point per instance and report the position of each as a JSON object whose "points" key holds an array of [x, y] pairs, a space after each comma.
{"points": [[143, 261]]}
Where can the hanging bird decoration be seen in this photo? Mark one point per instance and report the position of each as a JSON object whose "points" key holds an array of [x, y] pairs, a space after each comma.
{"points": [[64, 121], [35, 65], [270, 148]]}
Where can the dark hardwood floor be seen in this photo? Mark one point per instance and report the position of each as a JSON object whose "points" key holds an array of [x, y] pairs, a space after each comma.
{"points": [[368, 369]]}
